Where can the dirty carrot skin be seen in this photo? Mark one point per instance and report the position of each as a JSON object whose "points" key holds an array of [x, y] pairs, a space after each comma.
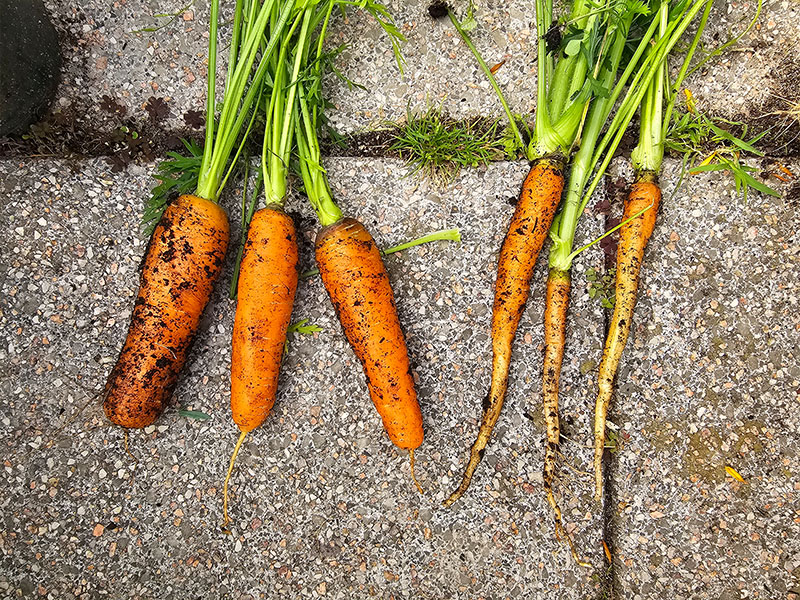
{"points": [[358, 285], [267, 280], [182, 262], [555, 328], [266, 291], [656, 101], [645, 194], [561, 101], [539, 198]]}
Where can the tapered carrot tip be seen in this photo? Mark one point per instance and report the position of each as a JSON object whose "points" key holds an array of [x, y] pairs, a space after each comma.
{"points": [[562, 533], [127, 449], [413, 475], [225, 518]]}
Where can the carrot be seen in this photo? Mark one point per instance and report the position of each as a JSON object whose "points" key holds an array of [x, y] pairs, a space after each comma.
{"points": [[267, 274], [189, 243], [657, 100], [555, 327], [351, 266], [267, 286], [358, 285], [182, 262], [539, 198], [644, 194]]}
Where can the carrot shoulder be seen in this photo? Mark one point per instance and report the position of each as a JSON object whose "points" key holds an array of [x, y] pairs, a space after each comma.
{"points": [[266, 291], [357, 282], [539, 198], [634, 236], [183, 260]]}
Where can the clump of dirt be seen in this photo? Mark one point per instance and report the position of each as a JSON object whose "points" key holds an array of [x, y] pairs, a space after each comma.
{"points": [[68, 133], [793, 194], [369, 144], [97, 127]]}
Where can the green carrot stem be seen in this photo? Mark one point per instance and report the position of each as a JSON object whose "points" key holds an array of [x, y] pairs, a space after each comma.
{"points": [[649, 153], [453, 235], [633, 98], [564, 233], [512, 122], [211, 88]]}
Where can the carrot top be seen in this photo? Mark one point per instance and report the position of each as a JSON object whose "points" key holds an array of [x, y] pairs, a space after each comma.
{"points": [[666, 27], [310, 105], [253, 22]]}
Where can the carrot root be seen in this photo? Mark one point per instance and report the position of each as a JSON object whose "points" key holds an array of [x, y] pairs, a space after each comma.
{"points": [[358, 285], [225, 518], [127, 449], [555, 327], [539, 198], [182, 262], [630, 252], [413, 474]]}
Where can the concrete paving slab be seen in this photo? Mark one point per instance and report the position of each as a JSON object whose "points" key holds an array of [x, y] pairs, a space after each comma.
{"points": [[322, 502], [109, 54], [710, 379]]}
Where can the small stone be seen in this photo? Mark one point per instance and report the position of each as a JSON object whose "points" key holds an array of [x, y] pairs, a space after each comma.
{"points": [[98, 530]]}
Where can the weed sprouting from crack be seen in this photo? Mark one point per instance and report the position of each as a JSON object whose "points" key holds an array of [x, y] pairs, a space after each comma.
{"points": [[439, 147]]}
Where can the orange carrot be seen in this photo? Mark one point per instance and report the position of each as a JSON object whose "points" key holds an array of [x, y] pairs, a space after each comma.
{"points": [[645, 194], [539, 198], [182, 262], [267, 286], [356, 280]]}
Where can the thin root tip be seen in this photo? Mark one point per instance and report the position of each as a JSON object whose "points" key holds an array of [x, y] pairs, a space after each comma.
{"points": [[413, 473], [452, 499]]}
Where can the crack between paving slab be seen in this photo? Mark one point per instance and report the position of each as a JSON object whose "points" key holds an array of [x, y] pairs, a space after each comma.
{"points": [[61, 137]]}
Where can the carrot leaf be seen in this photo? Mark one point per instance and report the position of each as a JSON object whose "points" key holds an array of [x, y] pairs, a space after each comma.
{"points": [[177, 175], [302, 328], [194, 414]]}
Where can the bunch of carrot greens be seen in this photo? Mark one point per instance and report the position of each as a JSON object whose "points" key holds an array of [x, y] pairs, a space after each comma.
{"points": [[580, 84]]}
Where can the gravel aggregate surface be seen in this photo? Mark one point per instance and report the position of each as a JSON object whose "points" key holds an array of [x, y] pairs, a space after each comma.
{"points": [[323, 505], [710, 380], [112, 50]]}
